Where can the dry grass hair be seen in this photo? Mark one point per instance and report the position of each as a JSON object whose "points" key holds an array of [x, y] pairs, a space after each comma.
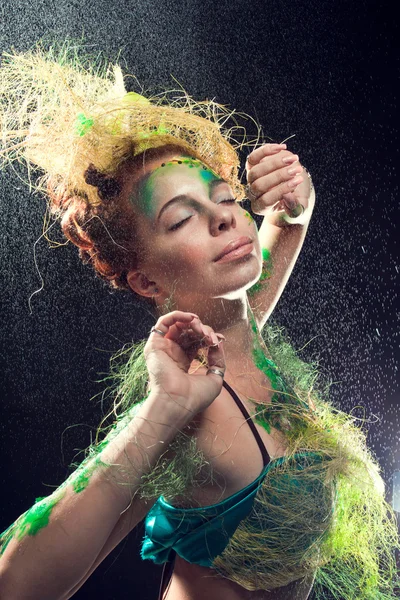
{"points": [[62, 114], [66, 116]]}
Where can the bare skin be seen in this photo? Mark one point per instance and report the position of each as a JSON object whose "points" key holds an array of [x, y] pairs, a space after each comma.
{"points": [[179, 265]]}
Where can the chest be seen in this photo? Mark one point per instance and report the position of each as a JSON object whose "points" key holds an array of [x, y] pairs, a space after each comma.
{"points": [[233, 456]]}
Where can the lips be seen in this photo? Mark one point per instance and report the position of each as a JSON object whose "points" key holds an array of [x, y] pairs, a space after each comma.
{"points": [[233, 245]]}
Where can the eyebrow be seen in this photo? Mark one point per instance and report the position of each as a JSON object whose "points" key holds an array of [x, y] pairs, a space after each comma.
{"points": [[180, 197]]}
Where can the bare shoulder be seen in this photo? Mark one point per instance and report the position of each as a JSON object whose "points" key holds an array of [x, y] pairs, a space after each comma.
{"points": [[228, 443], [232, 458]]}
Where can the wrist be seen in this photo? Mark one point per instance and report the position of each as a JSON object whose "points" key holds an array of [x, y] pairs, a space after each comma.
{"points": [[302, 210], [304, 217], [171, 410], [280, 218], [140, 444]]}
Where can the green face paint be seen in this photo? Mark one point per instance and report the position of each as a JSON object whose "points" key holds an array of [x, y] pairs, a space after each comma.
{"points": [[249, 217], [145, 194], [146, 188]]}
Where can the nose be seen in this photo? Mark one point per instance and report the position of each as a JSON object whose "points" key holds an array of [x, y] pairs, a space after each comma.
{"points": [[222, 219]]}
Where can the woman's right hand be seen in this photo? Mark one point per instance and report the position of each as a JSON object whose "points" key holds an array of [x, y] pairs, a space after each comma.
{"points": [[169, 357]]}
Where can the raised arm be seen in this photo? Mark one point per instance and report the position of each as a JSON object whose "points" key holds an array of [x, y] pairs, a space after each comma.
{"points": [[51, 549], [55, 543], [278, 196]]}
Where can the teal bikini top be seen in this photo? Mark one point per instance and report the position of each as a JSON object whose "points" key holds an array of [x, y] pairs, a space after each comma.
{"points": [[200, 534]]}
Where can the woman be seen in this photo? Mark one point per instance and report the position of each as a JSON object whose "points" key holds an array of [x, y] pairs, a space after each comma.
{"points": [[250, 484]]}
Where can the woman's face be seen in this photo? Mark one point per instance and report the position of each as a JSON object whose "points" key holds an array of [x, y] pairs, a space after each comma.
{"points": [[186, 215]]}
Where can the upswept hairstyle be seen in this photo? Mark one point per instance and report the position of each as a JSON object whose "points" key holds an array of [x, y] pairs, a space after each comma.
{"points": [[73, 123], [76, 123]]}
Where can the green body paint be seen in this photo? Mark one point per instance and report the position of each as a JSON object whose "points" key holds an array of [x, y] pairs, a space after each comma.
{"points": [[266, 254], [38, 516], [266, 272], [82, 475], [268, 367], [32, 521]]}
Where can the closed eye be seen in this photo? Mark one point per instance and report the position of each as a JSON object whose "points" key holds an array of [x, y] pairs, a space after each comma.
{"points": [[177, 225]]}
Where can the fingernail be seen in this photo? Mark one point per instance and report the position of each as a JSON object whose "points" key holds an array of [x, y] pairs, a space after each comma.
{"points": [[294, 170], [292, 184], [214, 339], [277, 148], [220, 335], [290, 159]]}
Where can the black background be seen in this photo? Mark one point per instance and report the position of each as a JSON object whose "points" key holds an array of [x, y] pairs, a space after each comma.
{"points": [[324, 71]]}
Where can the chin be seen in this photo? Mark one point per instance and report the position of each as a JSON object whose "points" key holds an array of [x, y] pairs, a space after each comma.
{"points": [[235, 289]]}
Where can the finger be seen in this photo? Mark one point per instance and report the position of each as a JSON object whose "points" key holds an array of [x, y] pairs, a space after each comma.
{"points": [[195, 331], [210, 337], [267, 182], [275, 194], [278, 165], [181, 331], [265, 150], [166, 321], [216, 358], [293, 208]]}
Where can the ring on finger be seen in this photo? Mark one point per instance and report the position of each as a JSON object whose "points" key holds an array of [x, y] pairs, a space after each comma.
{"points": [[216, 371], [154, 329], [297, 210], [250, 194]]}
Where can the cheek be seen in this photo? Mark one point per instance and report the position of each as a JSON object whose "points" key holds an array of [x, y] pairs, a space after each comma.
{"points": [[184, 259], [191, 256]]}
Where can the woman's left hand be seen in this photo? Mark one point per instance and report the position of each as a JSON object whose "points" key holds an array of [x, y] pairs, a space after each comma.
{"points": [[271, 187]]}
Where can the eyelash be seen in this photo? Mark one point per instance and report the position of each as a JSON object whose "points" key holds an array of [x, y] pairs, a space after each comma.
{"points": [[177, 225]]}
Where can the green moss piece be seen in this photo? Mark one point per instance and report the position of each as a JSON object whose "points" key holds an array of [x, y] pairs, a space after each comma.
{"points": [[83, 124]]}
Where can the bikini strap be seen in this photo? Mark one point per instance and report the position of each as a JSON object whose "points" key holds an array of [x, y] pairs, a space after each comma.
{"points": [[261, 445], [166, 576]]}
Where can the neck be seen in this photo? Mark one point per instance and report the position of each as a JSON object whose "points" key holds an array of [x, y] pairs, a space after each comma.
{"points": [[235, 320]]}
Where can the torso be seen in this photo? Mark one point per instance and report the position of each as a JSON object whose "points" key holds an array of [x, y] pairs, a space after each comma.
{"points": [[229, 444], [235, 458]]}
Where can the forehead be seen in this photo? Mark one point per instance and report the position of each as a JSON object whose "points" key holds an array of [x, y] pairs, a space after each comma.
{"points": [[161, 179]]}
